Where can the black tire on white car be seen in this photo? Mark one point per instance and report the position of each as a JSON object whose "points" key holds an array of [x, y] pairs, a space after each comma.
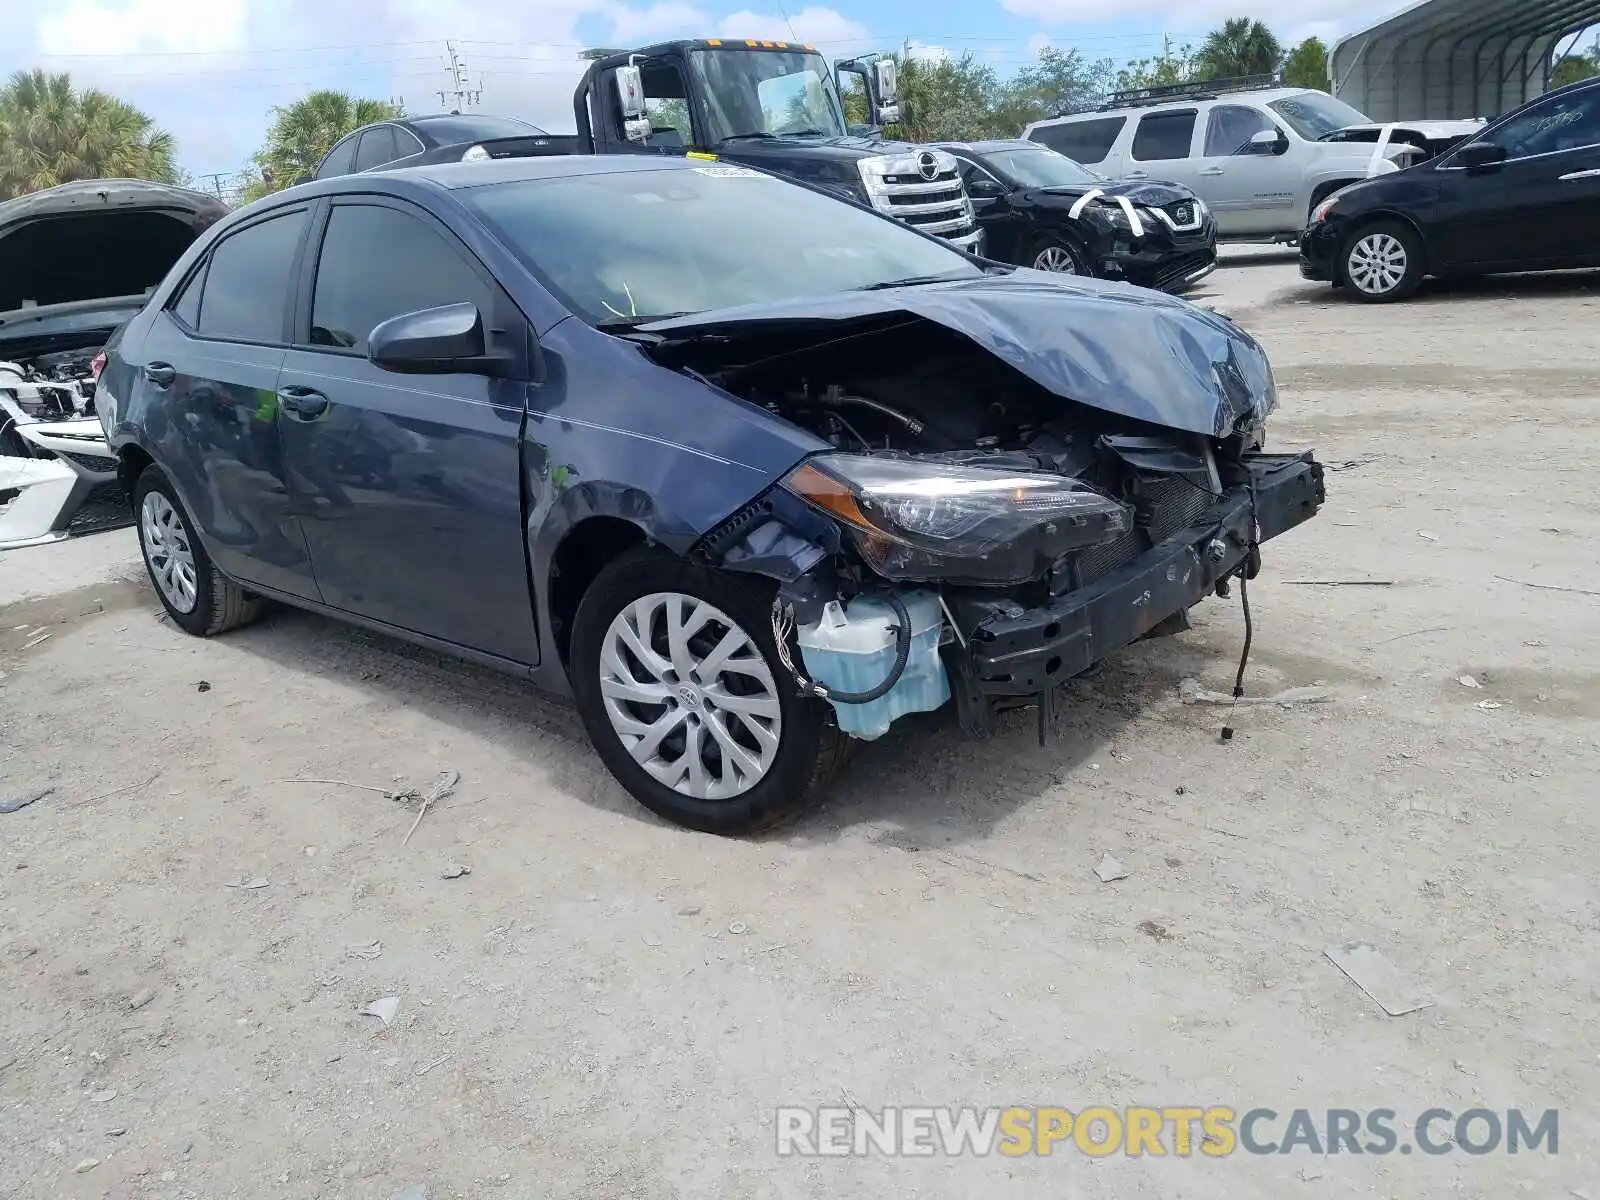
{"points": [[199, 598], [1381, 262], [679, 683]]}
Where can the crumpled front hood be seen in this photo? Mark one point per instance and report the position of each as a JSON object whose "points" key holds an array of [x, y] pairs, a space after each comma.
{"points": [[1149, 193], [1140, 354]]}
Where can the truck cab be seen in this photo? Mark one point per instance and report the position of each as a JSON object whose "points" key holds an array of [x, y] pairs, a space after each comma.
{"points": [[776, 106]]}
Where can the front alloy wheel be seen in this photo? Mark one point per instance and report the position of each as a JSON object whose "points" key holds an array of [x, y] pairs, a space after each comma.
{"points": [[1059, 259], [689, 696]]}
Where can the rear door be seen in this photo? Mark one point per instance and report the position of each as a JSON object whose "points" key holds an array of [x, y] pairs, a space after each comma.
{"points": [[1538, 209], [1162, 149], [409, 487], [377, 148], [208, 372]]}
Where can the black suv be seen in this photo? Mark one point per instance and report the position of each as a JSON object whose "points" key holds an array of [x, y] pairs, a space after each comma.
{"points": [[1522, 195]]}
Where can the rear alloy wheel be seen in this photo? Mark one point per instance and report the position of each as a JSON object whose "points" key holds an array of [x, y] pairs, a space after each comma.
{"points": [[1059, 257], [682, 691], [1382, 263], [199, 598]]}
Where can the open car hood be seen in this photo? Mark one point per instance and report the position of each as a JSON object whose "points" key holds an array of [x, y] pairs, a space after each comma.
{"points": [[95, 240], [1139, 354]]}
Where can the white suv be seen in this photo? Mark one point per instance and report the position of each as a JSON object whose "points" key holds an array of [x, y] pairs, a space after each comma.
{"points": [[1249, 149]]}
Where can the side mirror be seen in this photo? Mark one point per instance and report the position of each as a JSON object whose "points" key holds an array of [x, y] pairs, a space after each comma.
{"points": [[1479, 156], [433, 341], [884, 70], [983, 186], [630, 95], [1268, 141]]}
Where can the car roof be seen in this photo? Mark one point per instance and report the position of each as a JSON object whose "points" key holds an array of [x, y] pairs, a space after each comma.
{"points": [[457, 176], [1261, 95]]}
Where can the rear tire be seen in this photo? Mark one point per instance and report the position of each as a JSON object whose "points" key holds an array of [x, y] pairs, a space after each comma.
{"points": [[1381, 262], [730, 751], [199, 598]]}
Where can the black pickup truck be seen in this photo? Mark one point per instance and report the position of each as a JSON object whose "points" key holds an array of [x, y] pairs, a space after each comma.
{"points": [[768, 104]]}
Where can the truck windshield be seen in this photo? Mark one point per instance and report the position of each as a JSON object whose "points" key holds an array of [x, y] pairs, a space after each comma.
{"points": [[1041, 167], [1313, 114], [766, 93], [626, 245]]}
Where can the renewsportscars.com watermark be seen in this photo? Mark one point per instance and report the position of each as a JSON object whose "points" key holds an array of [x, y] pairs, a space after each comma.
{"points": [[1180, 1132]]}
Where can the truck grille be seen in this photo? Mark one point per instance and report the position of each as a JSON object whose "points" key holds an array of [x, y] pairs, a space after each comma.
{"points": [[937, 206]]}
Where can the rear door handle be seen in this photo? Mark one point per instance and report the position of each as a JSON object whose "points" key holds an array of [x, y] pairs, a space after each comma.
{"points": [[302, 403], [1211, 170], [160, 374], [1572, 175]]}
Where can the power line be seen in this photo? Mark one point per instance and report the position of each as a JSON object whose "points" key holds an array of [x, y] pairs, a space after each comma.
{"points": [[456, 71]]}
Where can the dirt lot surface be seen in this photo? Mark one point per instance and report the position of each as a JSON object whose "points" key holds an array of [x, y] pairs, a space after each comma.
{"points": [[609, 1007]]}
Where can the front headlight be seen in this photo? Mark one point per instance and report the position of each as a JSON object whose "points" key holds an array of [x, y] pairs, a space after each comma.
{"points": [[914, 520], [882, 171]]}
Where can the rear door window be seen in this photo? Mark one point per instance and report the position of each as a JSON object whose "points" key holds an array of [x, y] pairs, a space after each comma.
{"points": [[1164, 135], [379, 262], [247, 282], [1087, 142], [377, 148], [340, 161], [187, 306]]}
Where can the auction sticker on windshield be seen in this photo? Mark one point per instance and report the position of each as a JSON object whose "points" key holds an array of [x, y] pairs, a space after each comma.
{"points": [[729, 172]]}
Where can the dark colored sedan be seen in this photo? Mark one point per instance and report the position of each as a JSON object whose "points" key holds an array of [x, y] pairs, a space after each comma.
{"points": [[1040, 209], [745, 469], [446, 138], [1522, 195]]}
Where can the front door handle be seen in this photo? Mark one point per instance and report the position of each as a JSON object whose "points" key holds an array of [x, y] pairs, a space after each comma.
{"points": [[1572, 175], [302, 403], [1211, 170], [160, 374]]}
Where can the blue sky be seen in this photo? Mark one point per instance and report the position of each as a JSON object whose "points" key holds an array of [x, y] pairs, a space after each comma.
{"points": [[210, 70]]}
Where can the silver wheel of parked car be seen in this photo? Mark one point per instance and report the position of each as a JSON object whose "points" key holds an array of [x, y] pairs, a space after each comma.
{"points": [[1376, 264], [1059, 259], [690, 696], [167, 550]]}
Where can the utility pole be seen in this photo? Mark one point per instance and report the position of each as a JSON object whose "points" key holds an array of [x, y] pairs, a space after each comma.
{"points": [[459, 91], [216, 183]]}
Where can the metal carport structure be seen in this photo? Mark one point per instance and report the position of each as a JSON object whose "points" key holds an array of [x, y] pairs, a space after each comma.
{"points": [[1442, 59]]}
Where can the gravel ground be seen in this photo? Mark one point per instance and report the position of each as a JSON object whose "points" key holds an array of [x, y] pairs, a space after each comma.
{"points": [[609, 1007]]}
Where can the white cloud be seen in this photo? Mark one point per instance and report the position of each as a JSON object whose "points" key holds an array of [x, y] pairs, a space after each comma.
{"points": [[145, 27], [828, 30], [638, 26], [1311, 17]]}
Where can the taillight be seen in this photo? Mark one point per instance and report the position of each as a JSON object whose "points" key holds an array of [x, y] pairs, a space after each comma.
{"points": [[98, 365]]}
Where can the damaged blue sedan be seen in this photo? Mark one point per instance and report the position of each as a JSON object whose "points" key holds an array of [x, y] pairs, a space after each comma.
{"points": [[746, 470]]}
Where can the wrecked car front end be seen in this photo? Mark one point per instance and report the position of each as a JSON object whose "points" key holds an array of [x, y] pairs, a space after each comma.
{"points": [[1046, 471]]}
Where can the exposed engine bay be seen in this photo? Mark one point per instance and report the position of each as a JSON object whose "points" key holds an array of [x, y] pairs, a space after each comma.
{"points": [[991, 537]]}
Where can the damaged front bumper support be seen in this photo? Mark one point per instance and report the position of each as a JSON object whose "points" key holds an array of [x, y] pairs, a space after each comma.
{"points": [[1005, 652]]}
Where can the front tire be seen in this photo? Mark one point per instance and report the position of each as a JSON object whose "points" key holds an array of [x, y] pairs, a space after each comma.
{"points": [[1382, 262], [1058, 255], [199, 598], [677, 678]]}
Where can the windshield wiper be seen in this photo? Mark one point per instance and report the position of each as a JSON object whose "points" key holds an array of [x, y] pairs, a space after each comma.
{"points": [[758, 135], [884, 285]]}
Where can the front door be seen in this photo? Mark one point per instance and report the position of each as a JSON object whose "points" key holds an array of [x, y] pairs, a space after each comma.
{"points": [[409, 487], [213, 355], [1244, 184], [1540, 208]]}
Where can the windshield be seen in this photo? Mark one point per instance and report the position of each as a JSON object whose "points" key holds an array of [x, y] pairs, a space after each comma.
{"points": [[1041, 167], [449, 130], [757, 92], [1313, 114], [635, 245]]}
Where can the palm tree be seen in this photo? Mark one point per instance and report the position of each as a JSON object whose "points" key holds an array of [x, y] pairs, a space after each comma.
{"points": [[51, 133], [1239, 46], [301, 134]]}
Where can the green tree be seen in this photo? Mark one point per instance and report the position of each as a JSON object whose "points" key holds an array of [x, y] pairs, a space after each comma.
{"points": [[1164, 70], [1057, 81], [1239, 46], [1307, 65], [302, 133], [1570, 68], [51, 133]]}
